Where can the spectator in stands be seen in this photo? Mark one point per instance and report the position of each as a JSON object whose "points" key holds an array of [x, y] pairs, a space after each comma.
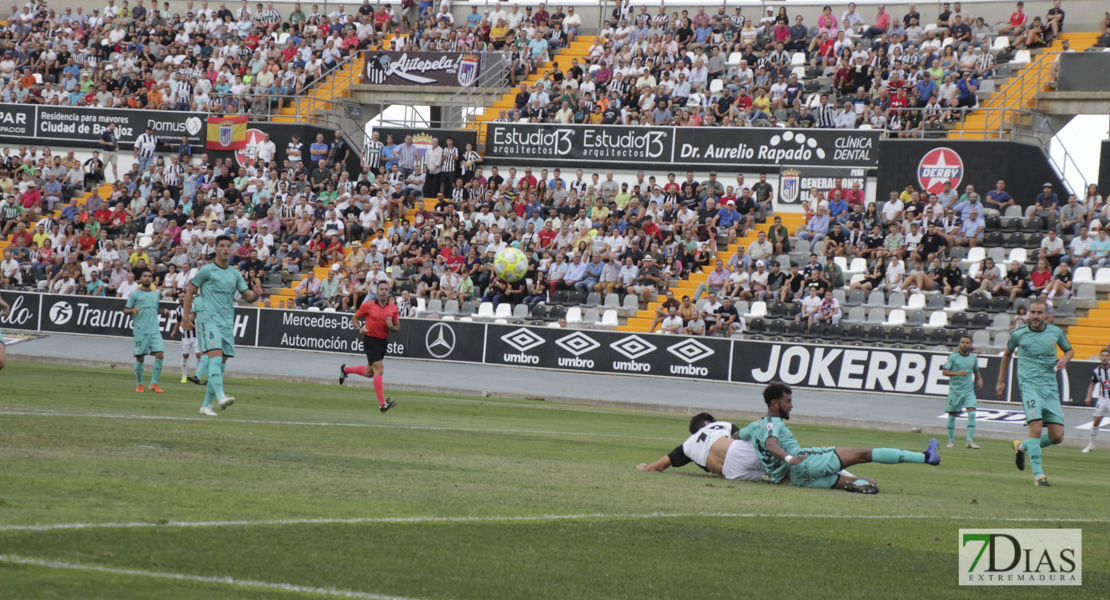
{"points": [[815, 229], [1100, 254], [1047, 205], [1016, 282], [998, 200], [1080, 248], [1072, 216]]}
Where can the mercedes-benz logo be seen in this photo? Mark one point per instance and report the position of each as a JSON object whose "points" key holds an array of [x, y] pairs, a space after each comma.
{"points": [[440, 340]]}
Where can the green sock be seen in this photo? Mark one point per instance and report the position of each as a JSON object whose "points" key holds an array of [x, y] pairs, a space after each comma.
{"points": [[893, 456], [1033, 449], [138, 372], [202, 366], [970, 425], [1045, 442], [157, 371], [215, 385], [951, 428], [216, 379]]}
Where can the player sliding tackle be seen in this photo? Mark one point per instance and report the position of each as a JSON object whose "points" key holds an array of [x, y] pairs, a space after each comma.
{"points": [[215, 318], [817, 467], [1036, 345]]}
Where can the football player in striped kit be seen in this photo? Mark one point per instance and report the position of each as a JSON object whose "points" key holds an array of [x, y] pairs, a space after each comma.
{"points": [[189, 343], [1099, 394]]}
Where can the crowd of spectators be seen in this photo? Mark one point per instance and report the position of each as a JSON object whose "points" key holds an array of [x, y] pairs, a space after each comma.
{"points": [[726, 69], [583, 232], [230, 59]]}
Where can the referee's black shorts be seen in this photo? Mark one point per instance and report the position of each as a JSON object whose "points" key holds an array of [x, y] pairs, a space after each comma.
{"points": [[375, 348]]}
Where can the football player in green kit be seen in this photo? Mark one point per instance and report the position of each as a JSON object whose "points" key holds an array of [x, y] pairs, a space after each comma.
{"points": [[962, 371], [785, 459], [218, 283], [143, 307], [1035, 344]]}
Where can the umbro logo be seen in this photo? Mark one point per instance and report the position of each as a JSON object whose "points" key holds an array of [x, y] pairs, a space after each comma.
{"points": [[577, 343], [522, 339], [633, 346]]}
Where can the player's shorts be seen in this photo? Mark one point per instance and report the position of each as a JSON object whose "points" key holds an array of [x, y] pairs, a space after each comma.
{"points": [[190, 346], [374, 348], [212, 337], [956, 403], [741, 462], [820, 469], [148, 344], [1042, 407], [1102, 408]]}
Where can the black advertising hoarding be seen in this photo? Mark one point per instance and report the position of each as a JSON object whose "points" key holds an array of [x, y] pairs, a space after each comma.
{"points": [[17, 121], [608, 352], [853, 368], [595, 143], [812, 366], [86, 124], [25, 308], [96, 315], [700, 146], [444, 69], [332, 332], [776, 146], [928, 164], [795, 183]]}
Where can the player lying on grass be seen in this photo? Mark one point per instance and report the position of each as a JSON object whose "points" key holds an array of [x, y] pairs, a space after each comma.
{"points": [[713, 446], [816, 467]]}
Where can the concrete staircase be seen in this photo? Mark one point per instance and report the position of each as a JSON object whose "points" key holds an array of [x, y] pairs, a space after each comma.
{"points": [[579, 49], [642, 321], [335, 85], [1019, 92]]}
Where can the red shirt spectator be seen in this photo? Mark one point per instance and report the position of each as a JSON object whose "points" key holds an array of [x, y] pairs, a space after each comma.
{"points": [[32, 198]]}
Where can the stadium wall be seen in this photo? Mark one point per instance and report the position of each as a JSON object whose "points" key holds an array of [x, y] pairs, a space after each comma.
{"points": [[861, 368]]}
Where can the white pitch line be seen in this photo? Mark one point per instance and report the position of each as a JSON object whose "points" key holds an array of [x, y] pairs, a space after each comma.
{"points": [[524, 518], [5, 412], [285, 587]]}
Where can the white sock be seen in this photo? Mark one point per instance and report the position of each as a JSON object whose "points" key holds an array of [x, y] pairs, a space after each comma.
{"points": [[1094, 434], [1051, 294], [184, 366]]}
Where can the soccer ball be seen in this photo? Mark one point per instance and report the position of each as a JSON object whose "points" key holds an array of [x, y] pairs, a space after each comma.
{"points": [[510, 264]]}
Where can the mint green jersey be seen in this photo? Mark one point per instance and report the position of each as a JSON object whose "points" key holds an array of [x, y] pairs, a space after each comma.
{"points": [[145, 322], [1036, 359], [218, 286], [758, 432], [960, 387]]}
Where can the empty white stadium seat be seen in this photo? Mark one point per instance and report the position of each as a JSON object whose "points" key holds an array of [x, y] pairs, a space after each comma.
{"points": [[1082, 275], [574, 315], [937, 319], [895, 318]]}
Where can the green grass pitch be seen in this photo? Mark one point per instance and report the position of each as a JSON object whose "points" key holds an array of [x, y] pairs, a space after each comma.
{"points": [[291, 462]]}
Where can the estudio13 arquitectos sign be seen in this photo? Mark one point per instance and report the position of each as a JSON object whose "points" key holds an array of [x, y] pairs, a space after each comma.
{"points": [[449, 69], [708, 146]]}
